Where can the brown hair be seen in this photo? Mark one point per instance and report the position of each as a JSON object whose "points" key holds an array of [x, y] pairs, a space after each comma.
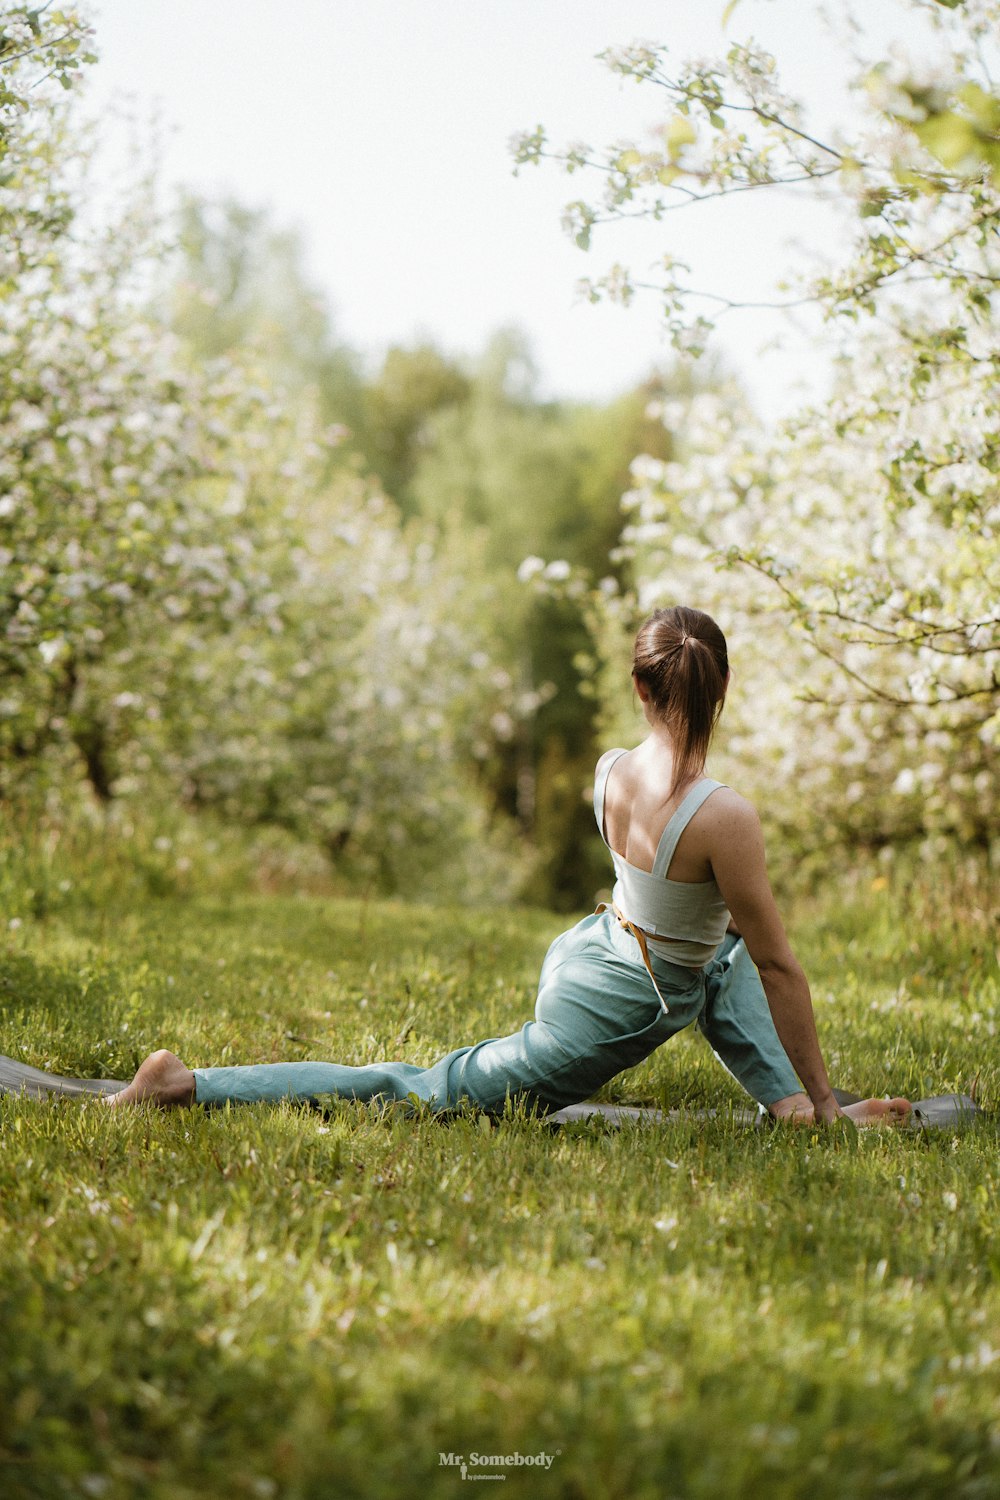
{"points": [[680, 657]]}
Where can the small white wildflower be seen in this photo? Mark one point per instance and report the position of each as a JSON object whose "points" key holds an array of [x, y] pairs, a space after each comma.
{"points": [[530, 568], [50, 650]]}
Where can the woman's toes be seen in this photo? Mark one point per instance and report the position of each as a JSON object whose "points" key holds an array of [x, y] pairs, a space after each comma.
{"points": [[878, 1111], [162, 1079]]}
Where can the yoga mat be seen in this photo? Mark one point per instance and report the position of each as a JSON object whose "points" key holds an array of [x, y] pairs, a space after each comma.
{"points": [[18, 1078], [943, 1111]]}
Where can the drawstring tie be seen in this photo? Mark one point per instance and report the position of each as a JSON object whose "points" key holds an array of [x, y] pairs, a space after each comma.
{"points": [[640, 936]]}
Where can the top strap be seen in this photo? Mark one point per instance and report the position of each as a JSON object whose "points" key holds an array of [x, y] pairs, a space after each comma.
{"points": [[670, 837], [600, 785]]}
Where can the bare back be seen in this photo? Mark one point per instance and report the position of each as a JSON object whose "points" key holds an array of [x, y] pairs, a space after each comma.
{"points": [[722, 842], [638, 806]]}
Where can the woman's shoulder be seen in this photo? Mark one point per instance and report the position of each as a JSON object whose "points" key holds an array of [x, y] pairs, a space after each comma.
{"points": [[729, 806], [607, 758]]}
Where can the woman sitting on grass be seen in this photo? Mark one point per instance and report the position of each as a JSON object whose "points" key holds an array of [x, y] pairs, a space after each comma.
{"points": [[687, 852]]}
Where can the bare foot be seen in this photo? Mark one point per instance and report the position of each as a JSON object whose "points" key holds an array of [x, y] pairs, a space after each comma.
{"points": [[799, 1110], [879, 1111], [162, 1079]]}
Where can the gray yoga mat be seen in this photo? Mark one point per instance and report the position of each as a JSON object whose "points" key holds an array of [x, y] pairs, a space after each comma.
{"points": [[943, 1111], [18, 1078]]}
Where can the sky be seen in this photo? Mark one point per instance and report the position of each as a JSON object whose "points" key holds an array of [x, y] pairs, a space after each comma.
{"points": [[380, 130]]}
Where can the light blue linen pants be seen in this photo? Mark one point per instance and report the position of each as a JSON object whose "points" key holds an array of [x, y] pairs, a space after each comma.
{"points": [[596, 1014]]}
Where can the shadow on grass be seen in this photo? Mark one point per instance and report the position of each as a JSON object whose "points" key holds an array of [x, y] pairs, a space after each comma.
{"points": [[30, 986]]}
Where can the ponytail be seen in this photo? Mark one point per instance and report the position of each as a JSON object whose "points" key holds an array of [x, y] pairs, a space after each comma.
{"points": [[681, 658]]}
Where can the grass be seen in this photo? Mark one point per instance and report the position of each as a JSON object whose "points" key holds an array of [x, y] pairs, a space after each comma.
{"points": [[282, 1302]]}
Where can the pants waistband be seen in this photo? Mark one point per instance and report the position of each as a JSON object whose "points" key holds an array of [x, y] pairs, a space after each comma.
{"points": [[681, 976]]}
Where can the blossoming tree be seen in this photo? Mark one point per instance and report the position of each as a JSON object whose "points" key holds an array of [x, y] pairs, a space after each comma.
{"points": [[190, 605], [852, 552]]}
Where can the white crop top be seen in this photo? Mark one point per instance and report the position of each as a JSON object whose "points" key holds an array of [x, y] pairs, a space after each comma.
{"points": [[685, 921]]}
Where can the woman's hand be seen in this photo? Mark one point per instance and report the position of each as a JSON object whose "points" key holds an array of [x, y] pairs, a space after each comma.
{"points": [[827, 1111], [799, 1109]]}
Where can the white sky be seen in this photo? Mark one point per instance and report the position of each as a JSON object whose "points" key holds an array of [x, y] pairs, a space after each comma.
{"points": [[380, 128]]}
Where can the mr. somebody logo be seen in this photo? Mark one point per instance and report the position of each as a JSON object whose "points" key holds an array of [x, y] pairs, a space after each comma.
{"points": [[466, 1463]]}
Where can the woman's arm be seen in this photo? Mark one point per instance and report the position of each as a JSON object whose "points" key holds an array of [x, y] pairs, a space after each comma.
{"points": [[740, 868]]}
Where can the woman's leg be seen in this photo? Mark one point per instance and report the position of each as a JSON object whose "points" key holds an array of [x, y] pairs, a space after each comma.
{"points": [[527, 1063], [164, 1079], [272, 1081], [736, 1021], [596, 1014]]}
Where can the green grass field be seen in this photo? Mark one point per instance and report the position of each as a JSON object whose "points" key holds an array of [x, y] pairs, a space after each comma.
{"points": [[280, 1302]]}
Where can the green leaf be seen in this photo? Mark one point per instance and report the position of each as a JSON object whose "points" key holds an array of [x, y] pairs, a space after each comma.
{"points": [[679, 133], [732, 6], [949, 137], [982, 106], [874, 202]]}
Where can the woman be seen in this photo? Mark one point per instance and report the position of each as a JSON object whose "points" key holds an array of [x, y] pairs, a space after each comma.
{"points": [[693, 935]]}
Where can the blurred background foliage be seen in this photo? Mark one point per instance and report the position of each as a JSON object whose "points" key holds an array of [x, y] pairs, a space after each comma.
{"points": [[248, 576], [467, 450], [374, 615]]}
